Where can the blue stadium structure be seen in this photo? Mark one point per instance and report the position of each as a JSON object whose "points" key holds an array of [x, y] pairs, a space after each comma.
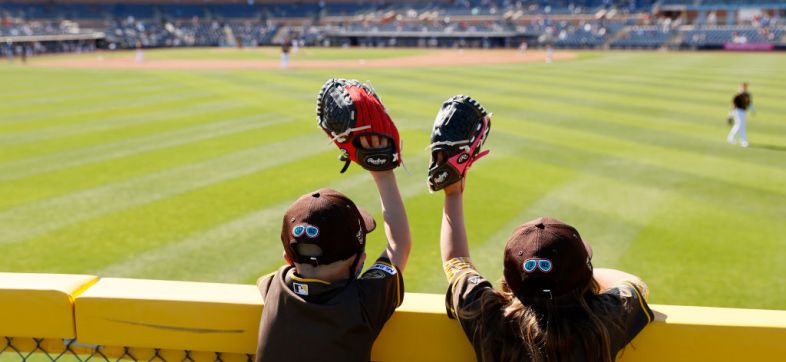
{"points": [[36, 26]]}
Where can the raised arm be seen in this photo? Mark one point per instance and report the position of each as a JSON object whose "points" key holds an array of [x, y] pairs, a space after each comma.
{"points": [[453, 234], [395, 215], [607, 278], [393, 211]]}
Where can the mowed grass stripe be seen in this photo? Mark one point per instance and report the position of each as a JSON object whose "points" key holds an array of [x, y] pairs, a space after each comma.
{"points": [[202, 198], [597, 97], [736, 172], [611, 212], [248, 240], [687, 186], [174, 260], [87, 114], [111, 125], [629, 147], [41, 217], [70, 180], [638, 85], [687, 249], [18, 118], [34, 82], [264, 92], [711, 137], [157, 140], [94, 93]]}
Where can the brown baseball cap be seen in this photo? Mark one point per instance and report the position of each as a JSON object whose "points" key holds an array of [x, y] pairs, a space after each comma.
{"points": [[546, 258], [323, 227]]}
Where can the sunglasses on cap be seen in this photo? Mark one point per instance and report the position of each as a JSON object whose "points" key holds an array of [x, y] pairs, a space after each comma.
{"points": [[309, 230], [530, 265]]}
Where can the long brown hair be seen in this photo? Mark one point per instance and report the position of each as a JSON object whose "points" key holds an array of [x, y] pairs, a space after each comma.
{"points": [[570, 327]]}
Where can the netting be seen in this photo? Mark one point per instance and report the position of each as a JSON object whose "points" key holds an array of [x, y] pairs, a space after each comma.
{"points": [[69, 350]]}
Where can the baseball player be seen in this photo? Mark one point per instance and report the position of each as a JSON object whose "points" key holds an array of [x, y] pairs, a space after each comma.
{"points": [[140, 53], [318, 307], [740, 104], [550, 290], [286, 46]]}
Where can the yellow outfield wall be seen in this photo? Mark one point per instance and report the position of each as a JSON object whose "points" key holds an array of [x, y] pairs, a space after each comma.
{"points": [[142, 318]]}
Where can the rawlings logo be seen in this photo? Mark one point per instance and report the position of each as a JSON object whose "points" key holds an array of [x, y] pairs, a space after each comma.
{"points": [[376, 161], [463, 158], [441, 177]]}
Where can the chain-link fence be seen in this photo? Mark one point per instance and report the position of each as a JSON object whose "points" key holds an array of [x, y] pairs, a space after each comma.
{"points": [[16, 349]]}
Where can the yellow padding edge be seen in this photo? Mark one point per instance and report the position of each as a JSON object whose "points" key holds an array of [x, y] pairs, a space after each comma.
{"points": [[421, 331], [169, 315], [145, 314], [682, 333], [39, 305]]}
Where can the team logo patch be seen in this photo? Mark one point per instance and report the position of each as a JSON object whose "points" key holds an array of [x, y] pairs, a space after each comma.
{"points": [[300, 289], [373, 274], [475, 279], [385, 268], [463, 158]]}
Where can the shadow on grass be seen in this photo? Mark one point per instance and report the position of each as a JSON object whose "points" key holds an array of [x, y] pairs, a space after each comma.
{"points": [[768, 147]]}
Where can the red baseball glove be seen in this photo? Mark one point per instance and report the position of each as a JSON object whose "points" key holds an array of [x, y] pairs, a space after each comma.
{"points": [[348, 110]]}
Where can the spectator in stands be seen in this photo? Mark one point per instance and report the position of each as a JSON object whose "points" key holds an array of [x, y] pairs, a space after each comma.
{"points": [[9, 51], [740, 104], [553, 306]]}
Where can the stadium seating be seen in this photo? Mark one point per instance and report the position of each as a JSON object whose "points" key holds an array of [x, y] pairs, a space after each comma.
{"points": [[562, 23], [718, 36], [586, 35], [644, 37]]}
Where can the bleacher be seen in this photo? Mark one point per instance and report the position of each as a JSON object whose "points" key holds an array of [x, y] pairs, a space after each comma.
{"points": [[562, 23], [720, 35], [644, 37], [588, 35]]}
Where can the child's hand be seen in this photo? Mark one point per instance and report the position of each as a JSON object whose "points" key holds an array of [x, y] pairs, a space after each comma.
{"points": [[371, 142], [456, 187]]}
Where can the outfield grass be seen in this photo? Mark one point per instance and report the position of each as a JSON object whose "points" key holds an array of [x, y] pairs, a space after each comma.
{"points": [[185, 174]]}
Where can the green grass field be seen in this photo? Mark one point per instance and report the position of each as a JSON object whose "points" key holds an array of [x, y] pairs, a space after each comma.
{"points": [[185, 174]]}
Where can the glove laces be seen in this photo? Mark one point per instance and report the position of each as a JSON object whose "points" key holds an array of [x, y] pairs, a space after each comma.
{"points": [[341, 137], [450, 143]]}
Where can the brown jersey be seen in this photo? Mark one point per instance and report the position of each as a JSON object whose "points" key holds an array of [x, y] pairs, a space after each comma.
{"points": [[742, 100], [314, 320], [467, 287]]}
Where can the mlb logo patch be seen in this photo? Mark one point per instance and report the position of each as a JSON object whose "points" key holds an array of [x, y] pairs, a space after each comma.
{"points": [[385, 268], [300, 289]]}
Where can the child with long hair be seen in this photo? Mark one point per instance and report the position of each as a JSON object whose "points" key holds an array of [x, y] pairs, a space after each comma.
{"points": [[552, 305]]}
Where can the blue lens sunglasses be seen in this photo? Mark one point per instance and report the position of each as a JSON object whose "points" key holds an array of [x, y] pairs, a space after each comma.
{"points": [[543, 264], [310, 231]]}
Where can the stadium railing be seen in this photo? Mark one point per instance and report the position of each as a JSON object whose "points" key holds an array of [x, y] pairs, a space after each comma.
{"points": [[55, 317]]}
